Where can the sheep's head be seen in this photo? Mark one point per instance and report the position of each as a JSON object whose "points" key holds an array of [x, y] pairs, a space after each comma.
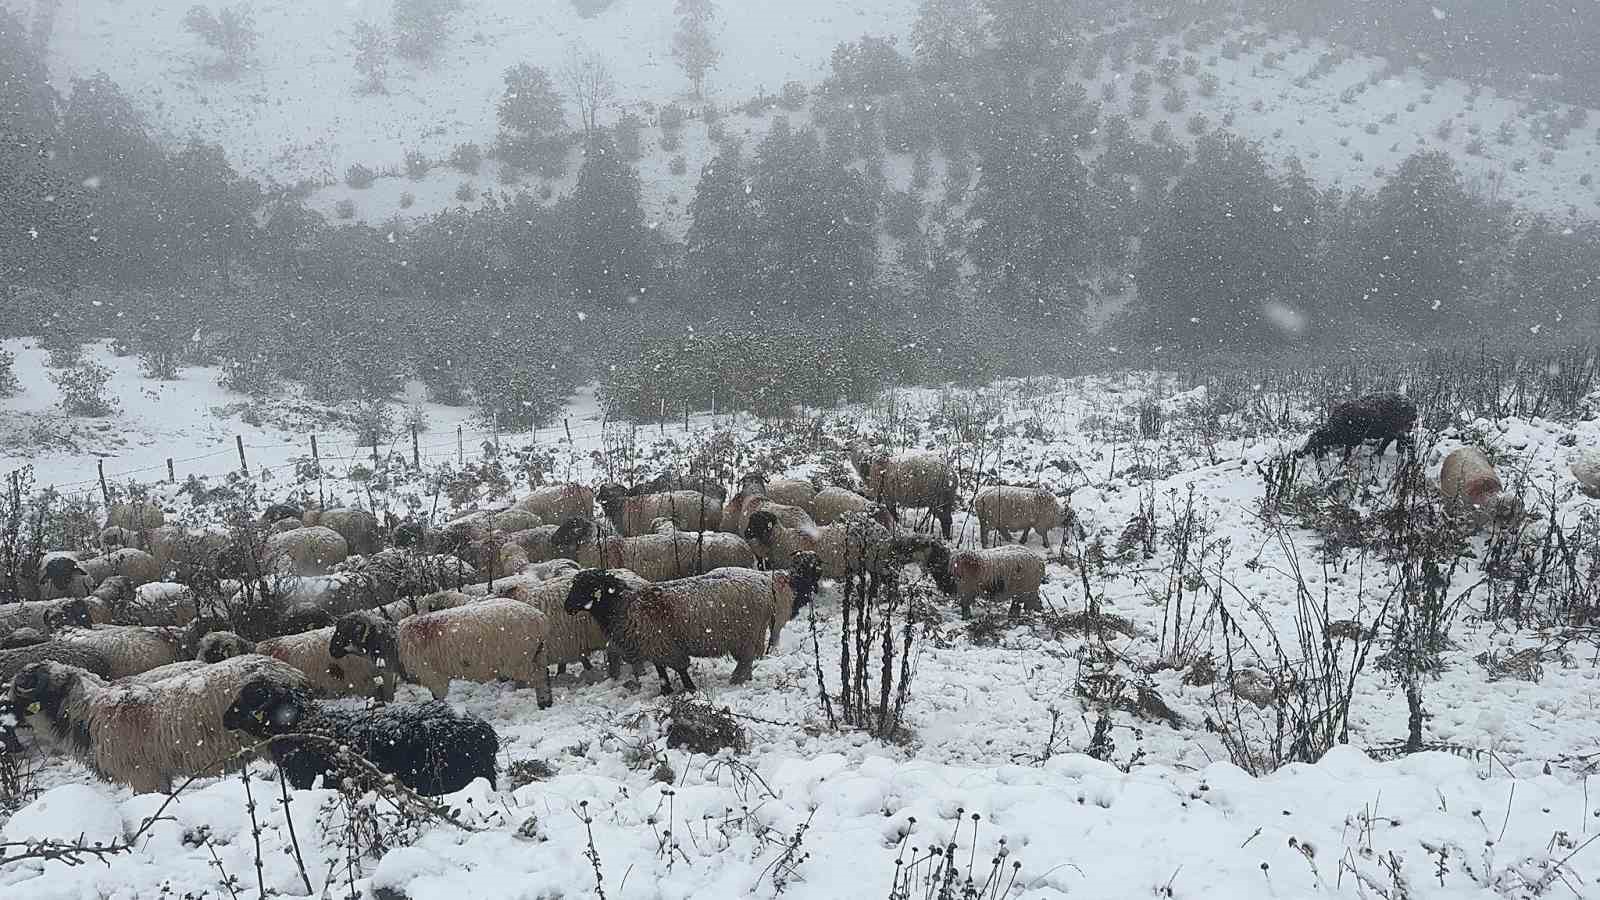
{"points": [[762, 528], [572, 533], [115, 589], [59, 572], [663, 525], [358, 634], [42, 687], [937, 563], [115, 537], [22, 637], [217, 646], [753, 485], [282, 511], [805, 575], [410, 534], [595, 591], [610, 497], [266, 707], [74, 612]]}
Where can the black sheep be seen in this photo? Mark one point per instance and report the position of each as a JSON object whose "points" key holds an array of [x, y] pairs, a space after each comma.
{"points": [[1385, 418], [279, 511], [60, 572], [429, 747]]}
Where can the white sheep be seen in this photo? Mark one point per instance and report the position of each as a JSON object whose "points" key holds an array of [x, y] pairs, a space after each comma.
{"points": [[571, 638], [348, 676], [132, 649], [1468, 481], [558, 503], [1006, 509], [917, 478], [736, 516], [483, 641], [833, 502], [360, 529], [653, 557], [135, 516], [720, 613], [115, 537], [853, 545], [312, 550], [138, 566], [632, 516], [1009, 571], [46, 616], [142, 735]]}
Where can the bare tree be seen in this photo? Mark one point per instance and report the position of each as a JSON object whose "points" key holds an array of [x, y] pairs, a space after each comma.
{"points": [[693, 44], [588, 81]]}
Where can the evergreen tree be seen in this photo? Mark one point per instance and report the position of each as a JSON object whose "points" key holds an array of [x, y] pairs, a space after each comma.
{"points": [[818, 243], [215, 205], [608, 254], [724, 233], [1413, 254], [947, 38], [1226, 264], [1554, 279], [1033, 33], [530, 113], [27, 103], [694, 45], [1032, 238]]}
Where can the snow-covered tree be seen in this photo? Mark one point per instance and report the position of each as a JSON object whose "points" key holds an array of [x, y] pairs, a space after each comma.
{"points": [[694, 44], [230, 31], [530, 115], [947, 36], [371, 46], [421, 25]]}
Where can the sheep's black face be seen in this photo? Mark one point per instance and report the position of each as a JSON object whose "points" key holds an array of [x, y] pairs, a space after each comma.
{"points": [[278, 511], [761, 528], [937, 564], [611, 497], [76, 613], [353, 635], [114, 588], [593, 591], [262, 709], [218, 646], [59, 572], [807, 574], [571, 534], [753, 485], [409, 534], [39, 687]]}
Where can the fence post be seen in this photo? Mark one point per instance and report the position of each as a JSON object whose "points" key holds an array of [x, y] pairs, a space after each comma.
{"points": [[461, 453], [172, 476], [663, 417], [713, 407], [238, 441], [686, 417], [416, 452], [567, 424], [105, 492]]}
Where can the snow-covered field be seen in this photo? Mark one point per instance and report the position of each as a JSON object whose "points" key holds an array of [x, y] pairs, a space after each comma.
{"points": [[1508, 815]]}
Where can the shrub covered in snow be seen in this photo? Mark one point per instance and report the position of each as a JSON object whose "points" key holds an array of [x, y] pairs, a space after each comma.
{"points": [[420, 26], [230, 31], [84, 389], [8, 374]]}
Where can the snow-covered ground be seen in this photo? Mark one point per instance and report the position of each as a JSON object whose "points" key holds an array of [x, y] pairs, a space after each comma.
{"points": [[1507, 816]]}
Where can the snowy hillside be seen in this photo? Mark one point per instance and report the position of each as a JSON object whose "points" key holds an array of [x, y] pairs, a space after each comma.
{"points": [[296, 114]]}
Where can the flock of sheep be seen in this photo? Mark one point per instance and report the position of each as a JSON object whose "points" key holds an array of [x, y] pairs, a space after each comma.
{"points": [[134, 676], [120, 664]]}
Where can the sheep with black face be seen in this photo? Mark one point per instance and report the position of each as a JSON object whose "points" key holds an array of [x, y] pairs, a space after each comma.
{"points": [[429, 747], [142, 735], [725, 612]]}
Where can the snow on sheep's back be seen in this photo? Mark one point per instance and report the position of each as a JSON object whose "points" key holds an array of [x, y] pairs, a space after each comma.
{"points": [[295, 112]]}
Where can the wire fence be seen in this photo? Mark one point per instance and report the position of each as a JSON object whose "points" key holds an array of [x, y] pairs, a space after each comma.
{"points": [[328, 452]]}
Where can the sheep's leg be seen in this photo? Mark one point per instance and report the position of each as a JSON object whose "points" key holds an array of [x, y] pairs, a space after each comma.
{"points": [[666, 682], [947, 518], [742, 670], [688, 684], [966, 605], [1383, 445]]}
